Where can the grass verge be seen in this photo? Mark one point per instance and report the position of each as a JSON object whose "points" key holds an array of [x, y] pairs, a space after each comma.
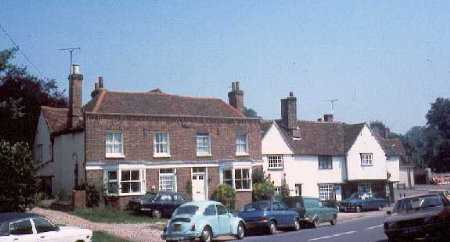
{"points": [[109, 215], [100, 236]]}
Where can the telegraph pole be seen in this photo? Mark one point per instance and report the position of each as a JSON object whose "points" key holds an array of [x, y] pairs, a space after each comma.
{"points": [[70, 50]]}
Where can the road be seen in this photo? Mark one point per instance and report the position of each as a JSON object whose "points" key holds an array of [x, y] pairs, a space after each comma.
{"points": [[367, 229]]}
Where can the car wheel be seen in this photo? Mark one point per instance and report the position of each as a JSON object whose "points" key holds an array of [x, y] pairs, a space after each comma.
{"points": [[272, 226], [316, 223], [240, 231], [334, 221], [297, 226], [358, 209], [206, 235], [156, 213]]}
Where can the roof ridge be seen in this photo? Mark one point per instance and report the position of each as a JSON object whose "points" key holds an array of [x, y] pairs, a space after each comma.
{"points": [[164, 94]]}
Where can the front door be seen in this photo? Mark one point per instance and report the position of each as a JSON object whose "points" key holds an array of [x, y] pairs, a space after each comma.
{"points": [[198, 185]]}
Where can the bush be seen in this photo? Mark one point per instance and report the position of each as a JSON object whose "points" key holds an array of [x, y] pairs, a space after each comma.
{"points": [[258, 176], [92, 196], [264, 190], [226, 195], [17, 177]]}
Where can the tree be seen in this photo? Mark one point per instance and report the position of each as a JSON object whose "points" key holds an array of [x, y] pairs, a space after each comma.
{"points": [[414, 142], [263, 190], [438, 135], [17, 177], [382, 130], [225, 194], [21, 95], [249, 112]]}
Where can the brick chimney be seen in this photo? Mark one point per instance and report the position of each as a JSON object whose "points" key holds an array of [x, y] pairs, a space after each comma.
{"points": [[289, 111], [98, 87], [328, 117], [75, 86], [236, 96]]}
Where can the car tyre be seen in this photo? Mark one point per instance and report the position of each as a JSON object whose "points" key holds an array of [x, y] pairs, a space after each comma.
{"points": [[297, 225], [156, 213], [206, 235], [240, 233], [316, 223], [334, 220], [272, 227], [358, 209]]}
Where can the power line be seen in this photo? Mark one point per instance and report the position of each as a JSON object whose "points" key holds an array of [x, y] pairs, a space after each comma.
{"points": [[23, 53]]}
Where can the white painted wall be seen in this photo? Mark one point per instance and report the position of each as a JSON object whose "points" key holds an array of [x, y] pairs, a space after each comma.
{"points": [[42, 137], [273, 142], [366, 143], [403, 176], [393, 167], [65, 147]]}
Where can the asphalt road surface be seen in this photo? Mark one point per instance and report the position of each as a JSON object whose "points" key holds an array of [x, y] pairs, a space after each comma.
{"points": [[368, 229]]}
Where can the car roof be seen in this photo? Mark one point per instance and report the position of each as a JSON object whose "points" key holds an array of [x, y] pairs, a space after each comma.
{"points": [[201, 204], [12, 216], [419, 195]]}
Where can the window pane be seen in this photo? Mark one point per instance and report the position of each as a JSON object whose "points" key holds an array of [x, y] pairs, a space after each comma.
{"points": [[21, 227], [112, 187], [112, 175], [238, 174], [125, 187], [135, 186], [125, 175], [135, 175]]}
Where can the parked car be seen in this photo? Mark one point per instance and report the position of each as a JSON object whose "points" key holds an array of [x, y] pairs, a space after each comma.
{"points": [[441, 191], [269, 216], [316, 212], [204, 220], [359, 202], [160, 204], [28, 227], [419, 217]]}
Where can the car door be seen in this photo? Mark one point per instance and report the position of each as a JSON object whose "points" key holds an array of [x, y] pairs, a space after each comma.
{"points": [[22, 231], [47, 232], [224, 220], [279, 214], [211, 218]]}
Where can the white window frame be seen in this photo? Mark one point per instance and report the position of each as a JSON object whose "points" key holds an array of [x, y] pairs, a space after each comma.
{"points": [[240, 145], [326, 191], [164, 175], [325, 162], [130, 181], [112, 143], [118, 180], [366, 159], [365, 188], [233, 179], [203, 153], [275, 162], [161, 142]]}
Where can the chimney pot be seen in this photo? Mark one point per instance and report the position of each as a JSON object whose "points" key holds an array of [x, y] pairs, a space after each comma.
{"points": [[291, 94], [328, 117], [100, 82], [237, 86], [75, 69]]}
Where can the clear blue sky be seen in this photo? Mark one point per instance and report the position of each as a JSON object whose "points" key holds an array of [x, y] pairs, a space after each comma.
{"points": [[383, 60]]}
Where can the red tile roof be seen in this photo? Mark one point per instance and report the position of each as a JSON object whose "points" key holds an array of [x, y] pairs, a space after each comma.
{"points": [[56, 118]]}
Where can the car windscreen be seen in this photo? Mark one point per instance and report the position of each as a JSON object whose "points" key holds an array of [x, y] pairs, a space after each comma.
{"points": [[417, 203], [256, 206], [187, 209], [149, 196]]}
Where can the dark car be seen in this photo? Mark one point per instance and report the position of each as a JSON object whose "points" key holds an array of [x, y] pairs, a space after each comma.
{"points": [[312, 211], [360, 201], [160, 204], [419, 217], [269, 216]]}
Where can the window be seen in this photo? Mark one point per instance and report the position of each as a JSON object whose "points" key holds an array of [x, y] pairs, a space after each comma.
{"points": [[275, 162], [241, 144], [326, 192], [210, 210], [167, 180], [364, 188], [161, 146], [228, 177], [366, 159], [43, 225], [39, 153], [21, 227], [130, 181], [325, 162], [112, 182], [114, 144], [203, 145], [298, 189], [221, 210], [242, 179]]}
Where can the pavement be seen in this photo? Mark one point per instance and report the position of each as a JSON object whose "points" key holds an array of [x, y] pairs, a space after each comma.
{"points": [[362, 227]]}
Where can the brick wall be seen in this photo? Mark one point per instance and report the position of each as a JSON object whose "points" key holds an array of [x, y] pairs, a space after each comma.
{"points": [[138, 133], [242, 198], [183, 179], [213, 180], [152, 179]]}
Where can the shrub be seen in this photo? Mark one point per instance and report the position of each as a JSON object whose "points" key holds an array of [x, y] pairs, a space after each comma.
{"points": [[257, 176], [225, 194], [264, 190], [92, 196], [17, 177]]}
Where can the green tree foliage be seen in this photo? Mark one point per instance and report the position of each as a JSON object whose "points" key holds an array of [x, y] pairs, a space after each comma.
{"points": [[21, 95], [225, 194], [249, 112], [284, 189], [415, 144], [263, 190], [438, 135], [17, 177]]}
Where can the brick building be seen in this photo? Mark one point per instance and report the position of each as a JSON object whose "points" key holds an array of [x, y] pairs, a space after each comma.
{"points": [[132, 143]]}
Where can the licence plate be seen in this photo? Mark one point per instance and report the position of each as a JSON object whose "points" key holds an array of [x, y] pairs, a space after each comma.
{"points": [[177, 227]]}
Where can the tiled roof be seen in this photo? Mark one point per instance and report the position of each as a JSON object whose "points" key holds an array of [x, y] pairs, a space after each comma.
{"points": [[392, 147], [160, 104], [56, 118], [321, 138]]}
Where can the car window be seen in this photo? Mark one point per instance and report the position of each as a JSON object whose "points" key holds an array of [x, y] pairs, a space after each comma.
{"points": [[210, 210], [256, 206], [221, 210], [178, 197], [187, 209], [43, 225], [311, 203], [277, 206], [21, 227], [165, 198]]}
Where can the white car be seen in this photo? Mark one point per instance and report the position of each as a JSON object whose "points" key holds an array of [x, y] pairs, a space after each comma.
{"points": [[28, 227]]}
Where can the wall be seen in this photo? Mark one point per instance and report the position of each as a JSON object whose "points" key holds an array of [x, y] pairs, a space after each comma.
{"points": [[42, 137], [273, 142], [393, 167], [66, 148], [366, 143], [406, 171]]}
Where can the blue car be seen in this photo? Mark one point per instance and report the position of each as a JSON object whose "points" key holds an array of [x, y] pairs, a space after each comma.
{"points": [[203, 220], [360, 201], [269, 216]]}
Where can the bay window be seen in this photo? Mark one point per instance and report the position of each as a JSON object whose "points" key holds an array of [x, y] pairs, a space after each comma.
{"points": [[124, 181], [238, 178]]}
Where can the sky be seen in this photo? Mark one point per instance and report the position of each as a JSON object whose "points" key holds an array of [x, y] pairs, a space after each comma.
{"points": [[382, 60]]}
